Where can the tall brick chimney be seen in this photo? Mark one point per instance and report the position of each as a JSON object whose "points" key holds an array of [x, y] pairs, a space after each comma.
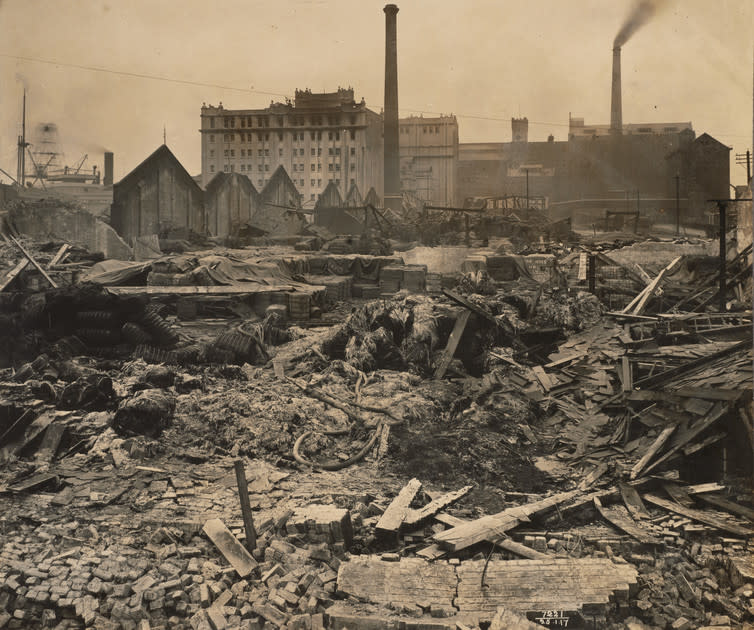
{"points": [[108, 179], [392, 169], [616, 108]]}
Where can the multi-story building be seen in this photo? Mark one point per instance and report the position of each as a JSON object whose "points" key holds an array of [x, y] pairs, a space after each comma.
{"points": [[429, 158], [577, 128], [316, 138]]}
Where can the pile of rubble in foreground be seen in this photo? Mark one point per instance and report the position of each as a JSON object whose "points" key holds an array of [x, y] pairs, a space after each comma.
{"points": [[512, 458]]}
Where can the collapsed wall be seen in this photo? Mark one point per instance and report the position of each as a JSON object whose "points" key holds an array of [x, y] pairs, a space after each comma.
{"points": [[51, 220]]}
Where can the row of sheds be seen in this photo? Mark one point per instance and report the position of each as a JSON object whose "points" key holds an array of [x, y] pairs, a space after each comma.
{"points": [[159, 197]]}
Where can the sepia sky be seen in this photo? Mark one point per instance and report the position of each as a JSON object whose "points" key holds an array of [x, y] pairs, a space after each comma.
{"points": [[483, 60]]}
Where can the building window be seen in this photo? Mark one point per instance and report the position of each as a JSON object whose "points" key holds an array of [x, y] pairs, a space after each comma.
{"points": [[329, 135], [312, 197], [212, 123], [337, 135], [437, 130], [243, 167], [301, 183], [319, 183], [337, 150], [211, 168], [248, 121], [243, 122], [314, 151], [329, 167], [266, 167], [231, 168], [232, 153], [301, 167], [319, 167], [260, 153], [243, 152], [267, 136], [353, 182], [353, 134], [267, 153], [424, 129], [281, 121], [337, 166], [259, 136], [260, 168], [312, 182], [319, 135], [329, 151], [212, 137], [319, 151], [312, 168], [226, 168], [212, 153], [280, 136], [280, 152], [248, 167], [260, 182], [337, 182], [295, 167], [353, 166], [353, 151], [311, 136], [226, 153]]}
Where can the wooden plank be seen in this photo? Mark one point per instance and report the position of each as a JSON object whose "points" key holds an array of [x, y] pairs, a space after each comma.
{"points": [[504, 543], [13, 273], [31, 483], [627, 379], [728, 506], [37, 426], [593, 476], [393, 517], [492, 527], [34, 262], [243, 497], [698, 515], [51, 441], [709, 441], [651, 451], [471, 306], [544, 379], [678, 494], [633, 501], [432, 552], [233, 551], [620, 518], [414, 517], [453, 341], [701, 425], [652, 287], [702, 488], [59, 255]]}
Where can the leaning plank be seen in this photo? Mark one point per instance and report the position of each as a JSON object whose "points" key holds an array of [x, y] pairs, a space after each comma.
{"points": [[494, 526], [708, 441], [652, 287], [543, 377], [678, 494], [13, 273], [432, 552], [652, 451], [233, 551], [633, 501], [392, 519], [50, 442], [458, 299], [503, 543], [59, 255], [414, 517], [620, 518], [717, 412], [34, 262], [453, 341], [728, 506], [698, 515]]}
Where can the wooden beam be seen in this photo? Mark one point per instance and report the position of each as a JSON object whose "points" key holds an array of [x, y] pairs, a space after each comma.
{"points": [[618, 516], [393, 517], [698, 515], [233, 551], [652, 287], [633, 501], [414, 517], [34, 262], [728, 506], [651, 451], [13, 273], [453, 341]]}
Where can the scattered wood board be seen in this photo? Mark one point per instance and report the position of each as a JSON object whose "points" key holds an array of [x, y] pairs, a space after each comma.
{"points": [[698, 515], [453, 341], [728, 506], [34, 262], [51, 441], [633, 501], [651, 451], [233, 551], [393, 517], [414, 517], [678, 494], [13, 274], [620, 518]]}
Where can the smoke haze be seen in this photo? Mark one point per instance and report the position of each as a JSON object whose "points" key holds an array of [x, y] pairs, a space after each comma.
{"points": [[641, 13]]}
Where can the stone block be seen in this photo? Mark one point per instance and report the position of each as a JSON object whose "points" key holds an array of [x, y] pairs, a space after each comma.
{"points": [[322, 522]]}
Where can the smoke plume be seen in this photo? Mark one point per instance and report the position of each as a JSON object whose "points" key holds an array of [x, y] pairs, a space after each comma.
{"points": [[641, 13]]}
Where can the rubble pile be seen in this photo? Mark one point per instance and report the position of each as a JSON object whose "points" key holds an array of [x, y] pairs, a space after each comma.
{"points": [[517, 452]]}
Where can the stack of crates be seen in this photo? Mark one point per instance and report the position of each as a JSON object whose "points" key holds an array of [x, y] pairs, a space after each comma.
{"points": [[414, 278], [299, 306], [434, 283], [391, 278]]}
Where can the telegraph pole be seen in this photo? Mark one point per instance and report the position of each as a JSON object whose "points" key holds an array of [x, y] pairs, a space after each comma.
{"points": [[745, 158], [677, 204]]}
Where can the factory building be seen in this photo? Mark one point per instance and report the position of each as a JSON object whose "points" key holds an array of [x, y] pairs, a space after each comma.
{"points": [[429, 158], [316, 138]]}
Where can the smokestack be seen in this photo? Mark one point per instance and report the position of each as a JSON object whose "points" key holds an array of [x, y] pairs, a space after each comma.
{"points": [[616, 108], [392, 171], [108, 180]]}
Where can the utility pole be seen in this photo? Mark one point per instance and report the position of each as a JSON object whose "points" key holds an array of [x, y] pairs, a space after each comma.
{"points": [[722, 207], [527, 187], [745, 158], [22, 144], [677, 204]]}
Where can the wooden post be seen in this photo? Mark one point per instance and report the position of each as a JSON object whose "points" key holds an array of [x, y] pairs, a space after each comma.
{"points": [[243, 496], [591, 272], [722, 208]]}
